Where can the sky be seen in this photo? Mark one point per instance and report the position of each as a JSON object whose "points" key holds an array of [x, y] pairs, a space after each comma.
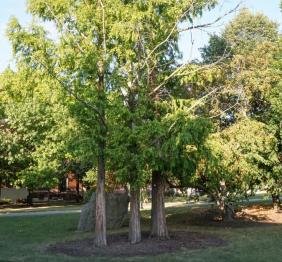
{"points": [[17, 8]]}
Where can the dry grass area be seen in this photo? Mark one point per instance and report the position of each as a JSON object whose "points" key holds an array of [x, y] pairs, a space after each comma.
{"points": [[263, 214]]}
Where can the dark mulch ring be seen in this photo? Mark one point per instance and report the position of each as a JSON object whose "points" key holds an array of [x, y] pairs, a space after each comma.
{"points": [[118, 245]]}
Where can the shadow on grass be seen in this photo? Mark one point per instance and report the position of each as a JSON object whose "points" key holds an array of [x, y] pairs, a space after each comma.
{"points": [[181, 217]]}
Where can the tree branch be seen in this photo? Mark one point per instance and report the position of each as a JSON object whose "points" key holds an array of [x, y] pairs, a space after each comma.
{"points": [[213, 22]]}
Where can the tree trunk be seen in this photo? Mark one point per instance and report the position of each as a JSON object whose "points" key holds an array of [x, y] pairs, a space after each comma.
{"points": [[158, 219], [100, 222], [227, 210], [276, 202], [229, 213], [29, 198], [77, 188], [142, 199], [134, 224]]}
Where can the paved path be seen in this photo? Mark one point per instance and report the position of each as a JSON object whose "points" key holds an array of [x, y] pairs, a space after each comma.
{"points": [[39, 213]]}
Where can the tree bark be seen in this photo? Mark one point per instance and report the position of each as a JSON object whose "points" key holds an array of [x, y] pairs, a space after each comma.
{"points": [[158, 220], [100, 222], [227, 209], [276, 202], [134, 224], [142, 199]]}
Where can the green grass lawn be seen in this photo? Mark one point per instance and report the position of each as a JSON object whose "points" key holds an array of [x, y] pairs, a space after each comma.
{"points": [[25, 239]]}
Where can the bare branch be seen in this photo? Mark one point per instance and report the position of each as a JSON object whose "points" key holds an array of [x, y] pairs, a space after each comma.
{"points": [[166, 39], [182, 67], [213, 22], [203, 98], [229, 108], [170, 34]]}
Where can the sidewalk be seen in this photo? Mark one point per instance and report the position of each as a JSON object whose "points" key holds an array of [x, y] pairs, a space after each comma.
{"points": [[39, 213]]}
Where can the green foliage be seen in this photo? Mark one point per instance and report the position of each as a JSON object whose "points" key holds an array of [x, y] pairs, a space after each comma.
{"points": [[243, 157], [137, 121], [246, 75], [274, 119], [248, 30], [217, 48], [113, 78], [31, 118], [174, 144]]}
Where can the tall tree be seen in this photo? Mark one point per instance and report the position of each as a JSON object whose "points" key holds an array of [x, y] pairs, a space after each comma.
{"points": [[155, 54], [80, 61], [148, 60]]}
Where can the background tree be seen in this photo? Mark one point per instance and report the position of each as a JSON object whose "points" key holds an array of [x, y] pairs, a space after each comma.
{"points": [[246, 76], [244, 80], [35, 121], [273, 118], [242, 156]]}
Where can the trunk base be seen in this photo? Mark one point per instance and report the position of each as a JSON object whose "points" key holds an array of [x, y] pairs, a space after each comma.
{"points": [[134, 224], [276, 203], [159, 236], [229, 213], [158, 220]]}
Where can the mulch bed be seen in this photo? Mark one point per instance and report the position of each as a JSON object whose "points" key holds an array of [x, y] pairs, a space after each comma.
{"points": [[118, 245]]}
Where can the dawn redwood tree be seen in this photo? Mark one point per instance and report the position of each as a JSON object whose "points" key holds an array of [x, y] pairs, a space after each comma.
{"points": [[149, 33], [80, 60], [124, 153], [100, 45], [88, 49], [150, 68], [181, 146]]}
